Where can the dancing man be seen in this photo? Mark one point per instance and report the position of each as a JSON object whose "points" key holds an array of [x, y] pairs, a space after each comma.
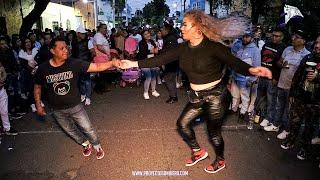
{"points": [[202, 58], [59, 78]]}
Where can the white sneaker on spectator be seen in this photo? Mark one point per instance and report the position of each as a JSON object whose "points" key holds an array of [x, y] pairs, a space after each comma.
{"points": [[283, 135], [271, 127], [315, 140], [42, 105], [155, 94], [178, 85], [33, 108], [83, 98], [146, 96], [264, 123], [87, 102]]}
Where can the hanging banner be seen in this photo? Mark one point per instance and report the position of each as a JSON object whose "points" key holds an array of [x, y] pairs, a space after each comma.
{"points": [[290, 12]]}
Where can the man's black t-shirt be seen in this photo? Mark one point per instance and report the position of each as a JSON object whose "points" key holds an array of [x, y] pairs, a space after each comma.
{"points": [[61, 83], [270, 55]]}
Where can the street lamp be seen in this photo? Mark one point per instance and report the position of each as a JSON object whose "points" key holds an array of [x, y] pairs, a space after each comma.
{"points": [[175, 5], [126, 11], [95, 11]]}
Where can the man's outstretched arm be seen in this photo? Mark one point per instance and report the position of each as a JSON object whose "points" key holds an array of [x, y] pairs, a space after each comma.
{"points": [[97, 67]]}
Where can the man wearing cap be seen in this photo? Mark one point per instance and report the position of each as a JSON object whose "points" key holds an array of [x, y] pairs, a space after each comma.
{"points": [[83, 53], [289, 62], [270, 54], [305, 101], [250, 54]]}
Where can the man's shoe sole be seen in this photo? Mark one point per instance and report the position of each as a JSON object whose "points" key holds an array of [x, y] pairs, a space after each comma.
{"points": [[301, 158], [11, 134], [285, 147], [272, 130], [100, 157], [195, 162]]}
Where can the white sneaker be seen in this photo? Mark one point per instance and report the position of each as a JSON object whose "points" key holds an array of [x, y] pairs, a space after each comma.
{"points": [[33, 108], [146, 96], [23, 96], [271, 127], [283, 135], [87, 102], [42, 105], [315, 140], [83, 98], [178, 85], [155, 94], [264, 123]]}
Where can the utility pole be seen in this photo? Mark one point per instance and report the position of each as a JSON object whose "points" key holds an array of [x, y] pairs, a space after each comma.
{"points": [[96, 11], [114, 13]]}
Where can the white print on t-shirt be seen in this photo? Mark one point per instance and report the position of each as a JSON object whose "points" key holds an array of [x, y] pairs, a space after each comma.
{"points": [[61, 88], [59, 77]]}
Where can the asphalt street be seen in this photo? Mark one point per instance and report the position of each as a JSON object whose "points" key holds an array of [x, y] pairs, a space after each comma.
{"points": [[141, 142]]}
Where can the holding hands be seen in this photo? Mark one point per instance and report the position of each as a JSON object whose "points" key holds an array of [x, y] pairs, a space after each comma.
{"points": [[116, 63], [126, 64], [260, 71]]}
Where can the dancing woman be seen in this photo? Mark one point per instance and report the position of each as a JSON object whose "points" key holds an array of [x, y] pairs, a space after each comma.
{"points": [[202, 57]]}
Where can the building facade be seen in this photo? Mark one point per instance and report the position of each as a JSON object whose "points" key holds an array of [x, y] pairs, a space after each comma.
{"points": [[221, 10], [64, 14]]}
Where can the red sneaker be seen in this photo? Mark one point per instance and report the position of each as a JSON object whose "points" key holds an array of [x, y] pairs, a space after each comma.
{"points": [[216, 166], [87, 150], [100, 153], [196, 157]]}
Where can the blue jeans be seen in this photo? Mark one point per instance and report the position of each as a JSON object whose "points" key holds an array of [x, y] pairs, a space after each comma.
{"points": [[150, 74], [75, 122], [85, 85], [248, 95], [282, 109], [266, 88]]}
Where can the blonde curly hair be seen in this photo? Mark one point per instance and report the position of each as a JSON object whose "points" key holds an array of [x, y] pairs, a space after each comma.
{"points": [[219, 29]]}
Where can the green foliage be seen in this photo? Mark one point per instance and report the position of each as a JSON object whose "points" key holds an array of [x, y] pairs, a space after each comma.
{"points": [[220, 2], [155, 11], [120, 5]]}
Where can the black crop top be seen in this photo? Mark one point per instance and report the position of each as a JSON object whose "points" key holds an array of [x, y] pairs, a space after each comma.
{"points": [[202, 63]]}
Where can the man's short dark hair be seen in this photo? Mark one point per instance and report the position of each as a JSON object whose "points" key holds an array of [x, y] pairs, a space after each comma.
{"points": [[53, 42], [278, 29], [47, 34], [100, 26], [168, 27]]}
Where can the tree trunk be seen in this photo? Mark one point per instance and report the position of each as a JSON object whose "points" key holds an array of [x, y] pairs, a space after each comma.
{"points": [[33, 16], [255, 13], [211, 6]]}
